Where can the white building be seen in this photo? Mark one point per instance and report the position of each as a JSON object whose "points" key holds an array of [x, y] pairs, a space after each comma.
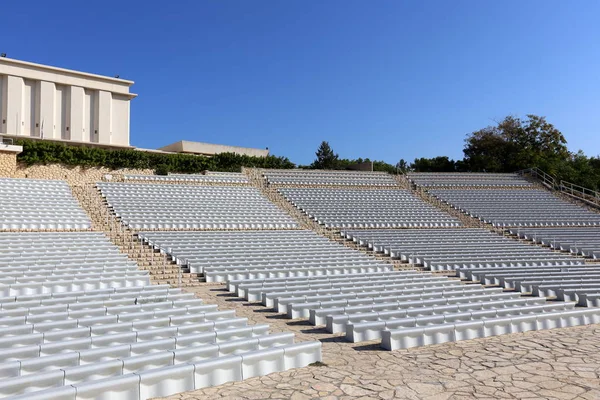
{"points": [[52, 103], [209, 149]]}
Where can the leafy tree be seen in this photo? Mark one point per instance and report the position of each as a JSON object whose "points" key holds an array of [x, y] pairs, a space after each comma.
{"points": [[326, 158], [487, 151], [581, 170], [436, 164], [402, 166], [382, 166], [515, 144]]}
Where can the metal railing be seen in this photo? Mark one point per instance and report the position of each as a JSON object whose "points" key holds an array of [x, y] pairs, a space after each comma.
{"points": [[547, 179], [6, 140], [577, 192], [581, 193]]}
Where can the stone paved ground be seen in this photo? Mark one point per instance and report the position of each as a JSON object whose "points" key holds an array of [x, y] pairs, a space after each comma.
{"points": [[555, 364]]}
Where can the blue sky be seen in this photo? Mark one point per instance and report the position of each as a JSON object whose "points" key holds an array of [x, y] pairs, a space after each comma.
{"points": [[384, 80]]}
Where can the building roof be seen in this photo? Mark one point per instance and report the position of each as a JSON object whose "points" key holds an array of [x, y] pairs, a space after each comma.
{"points": [[25, 69], [209, 149]]}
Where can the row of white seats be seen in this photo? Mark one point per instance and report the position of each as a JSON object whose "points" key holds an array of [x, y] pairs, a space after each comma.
{"points": [[240, 286], [370, 327], [586, 298], [462, 179], [435, 334], [450, 249], [350, 304], [222, 256], [279, 297], [331, 181], [505, 208], [93, 299], [263, 293], [71, 285], [422, 304], [169, 223], [322, 177], [152, 291], [244, 340], [188, 178], [13, 224], [450, 265], [39, 205], [299, 307], [85, 310], [580, 241], [114, 382], [496, 276], [337, 208], [292, 272], [10, 278], [337, 322], [83, 319], [34, 271], [156, 206]]}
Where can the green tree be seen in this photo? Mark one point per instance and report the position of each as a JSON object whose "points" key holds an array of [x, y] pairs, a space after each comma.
{"points": [[436, 164], [402, 166], [326, 158], [515, 144]]}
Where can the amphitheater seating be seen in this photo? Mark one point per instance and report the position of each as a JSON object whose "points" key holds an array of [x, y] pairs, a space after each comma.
{"points": [[464, 179], [406, 337], [358, 208], [563, 283], [78, 320], [303, 177], [449, 249], [212, 177], [368, 306], [159, 206], [496, 276], [517, 208], [365, 328], [581, 241], [34, 204], [222, 256]]}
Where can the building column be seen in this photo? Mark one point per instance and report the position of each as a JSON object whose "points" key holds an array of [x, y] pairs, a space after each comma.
{"points": [[75, 122], [104, 113], [3, 102], [47, 110], [14, 105]]}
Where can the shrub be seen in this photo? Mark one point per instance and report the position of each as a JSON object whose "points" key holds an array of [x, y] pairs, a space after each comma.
{"points": [[44, 152], [162, 169]]}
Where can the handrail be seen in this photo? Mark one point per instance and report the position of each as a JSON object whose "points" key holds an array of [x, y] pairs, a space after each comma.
{"points": [[578, 192], [535, 172], [5, 140]]}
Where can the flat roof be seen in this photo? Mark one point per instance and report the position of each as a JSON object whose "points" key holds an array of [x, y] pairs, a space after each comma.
{"points": [[187, 146], [65, 71], [29, 70]]}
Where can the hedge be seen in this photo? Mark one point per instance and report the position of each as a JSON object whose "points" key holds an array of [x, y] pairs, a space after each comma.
{"points": [[43, 152]]}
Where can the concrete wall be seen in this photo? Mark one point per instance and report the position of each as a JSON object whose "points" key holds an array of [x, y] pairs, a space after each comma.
{"points": [[10, 168], [54, 103], [209, 149], [73, 175], [8, 159], [8, 164]]}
